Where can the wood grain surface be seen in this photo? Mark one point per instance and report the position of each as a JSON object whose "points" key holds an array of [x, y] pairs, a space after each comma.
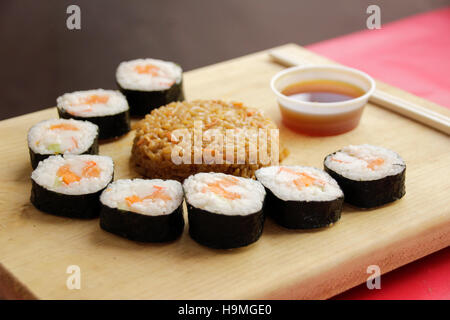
{"points": [[36, 248]]}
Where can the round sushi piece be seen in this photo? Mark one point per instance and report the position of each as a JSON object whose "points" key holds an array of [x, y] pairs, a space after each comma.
{"points": [[108, 109], [370, 176], [301, 197], [61, 136], [71, 185], [143, 210], [149, 84], [224, 211]]}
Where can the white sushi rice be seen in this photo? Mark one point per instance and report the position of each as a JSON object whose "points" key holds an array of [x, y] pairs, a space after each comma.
{"points": [[45, 174], [42, 139], [168, 73], [352, 162], [114, 196], [251, 194], [77, 103], [283, 186]]}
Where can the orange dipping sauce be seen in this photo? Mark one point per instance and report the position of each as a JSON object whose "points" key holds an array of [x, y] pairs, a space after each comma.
{"points": [[324, 92]]}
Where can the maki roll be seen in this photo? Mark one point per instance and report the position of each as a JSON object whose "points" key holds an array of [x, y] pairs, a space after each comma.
{"points": [[71, 185], [149, 84], [61, 136], [143, 210], [108, 109], [301, 197], [224, 211], [370, 176]]}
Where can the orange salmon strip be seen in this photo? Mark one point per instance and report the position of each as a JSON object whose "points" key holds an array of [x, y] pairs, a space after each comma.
{"points": [[370, 163], [296, 173], [159, 193], [340, 161], [67, 175], [93, 99], [376, 162], [304, 180], [132, 199], [64, 126], [147, 69], [75, 144], [218, 188], [91, 170]]}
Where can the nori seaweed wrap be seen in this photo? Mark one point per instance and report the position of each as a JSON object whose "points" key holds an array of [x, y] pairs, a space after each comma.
{"points": [[143, 210], [140, 227], [143, 102], [303, 214], [70, 186], [221, 231], [83, 206], [111, 127], [224, 211], [300, 197], [370, 176]]}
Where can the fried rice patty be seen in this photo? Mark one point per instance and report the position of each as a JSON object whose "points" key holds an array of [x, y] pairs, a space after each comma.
{"points": [[153, 143]]}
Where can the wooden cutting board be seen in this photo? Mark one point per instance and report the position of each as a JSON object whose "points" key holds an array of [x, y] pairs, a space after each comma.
{"points": [[37, 248]]}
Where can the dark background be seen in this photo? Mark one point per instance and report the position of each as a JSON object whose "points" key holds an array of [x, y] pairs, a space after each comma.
{"points": [[41, 59]]}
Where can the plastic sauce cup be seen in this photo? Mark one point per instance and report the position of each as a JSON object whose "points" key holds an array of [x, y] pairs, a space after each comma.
{"points": [[322, 118]]}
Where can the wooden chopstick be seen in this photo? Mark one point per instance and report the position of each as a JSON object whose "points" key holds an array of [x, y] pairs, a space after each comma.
{"points": [[383, 99]]}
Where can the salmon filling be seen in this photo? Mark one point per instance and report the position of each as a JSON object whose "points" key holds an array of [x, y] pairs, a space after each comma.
{"points": [[147, 69], [159, 193], [91, 100], [90, 170], [304, 179], [64, 126], [95, 99], [218, 186], [372, 164], [67, 175]]}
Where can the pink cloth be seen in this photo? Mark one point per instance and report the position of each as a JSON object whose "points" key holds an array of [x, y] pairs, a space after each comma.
{"points": [[414, 55], [425, 279]]}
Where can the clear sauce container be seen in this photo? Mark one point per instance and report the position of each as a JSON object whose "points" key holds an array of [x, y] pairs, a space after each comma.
{"points": [[322, 100]]}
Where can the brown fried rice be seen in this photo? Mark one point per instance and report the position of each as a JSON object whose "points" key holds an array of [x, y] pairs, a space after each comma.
{"points": [[154, 142]]}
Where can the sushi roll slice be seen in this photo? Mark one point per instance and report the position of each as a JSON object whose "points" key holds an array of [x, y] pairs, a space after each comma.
{"points": [[370, 176], [71, 185], [143, 210], [149, 84], [61, 136], [301, 197], [108, 109], [224, 211]]}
